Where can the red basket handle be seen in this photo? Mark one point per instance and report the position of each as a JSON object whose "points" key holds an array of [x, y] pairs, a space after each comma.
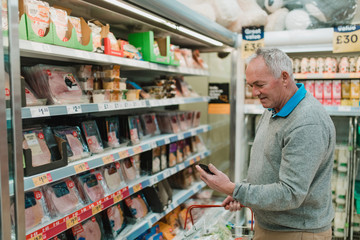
{"points": [[210, 206]]}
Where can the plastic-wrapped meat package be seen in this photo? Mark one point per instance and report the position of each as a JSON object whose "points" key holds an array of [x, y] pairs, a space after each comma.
{"points": [[174, 121], [86, 77], [180, 151], [199, 143], [60, 19], [187, 148], [164, 122], [137, 205], [116, 219], [112, 130], [34, 139], [96, 36], [92, 136], [91, 186], [163, 158], [113, 177], [172, 154], [52, 144], [76, 146], [187, 54], [148, 124], [35, 209], [156, 160], [31, 98], [134, 130], [137, 162], [182, 121], [129, 169], [76, 23], [90, 229], [189, 118], [196, 119], [39, 15], [62, 197], [113, 42]]}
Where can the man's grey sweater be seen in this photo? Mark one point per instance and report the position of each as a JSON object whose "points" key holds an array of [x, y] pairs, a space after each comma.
{"points": [[289, 178]]}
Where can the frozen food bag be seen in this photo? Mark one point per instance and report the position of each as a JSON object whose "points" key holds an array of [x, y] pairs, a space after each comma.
{"points": [[62, 197], [90, 229], [60, 19], [34, 139], [39, 15], [129, 169], [113, 176], [137, 205], [76, 146], [92, 136], [92, 186], [116, 219], [76, 23], [36, 211]]}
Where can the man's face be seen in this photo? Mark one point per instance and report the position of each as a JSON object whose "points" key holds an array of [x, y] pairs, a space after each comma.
{"points": [[264, 85]]}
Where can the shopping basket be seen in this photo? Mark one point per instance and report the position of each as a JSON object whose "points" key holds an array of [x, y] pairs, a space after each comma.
{"points": [[239, 232]]}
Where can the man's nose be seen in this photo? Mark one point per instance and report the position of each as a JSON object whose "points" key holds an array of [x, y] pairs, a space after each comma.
{"points": [[255, 92]]}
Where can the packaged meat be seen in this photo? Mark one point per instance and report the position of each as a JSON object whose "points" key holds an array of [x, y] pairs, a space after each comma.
{"points": [[91, 186], [113, 42], [157, 197], [39, 15], [62, 197], [113, 177], [168, 122], [137, 161], [31, 98], [129, 169], [182, 121], [92, 136], [76, 146], [34, 139], [60, 19], [86, 77], [116, 219], [149, 124], [109, 130], [196, 119], [52, 144], [172, 150], [187, 148], [180, 151], [163, 157], [76, 23], [137, 205], [90, 229], [156, 160], [134, 130], [7, 86], [182, 180], [199, 144]]}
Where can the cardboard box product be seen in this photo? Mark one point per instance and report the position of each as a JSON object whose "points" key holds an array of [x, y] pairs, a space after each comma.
{"points": [[328, 89], [310, 87], [345, 89], [354, 89], [319, 89], [336, 89]]}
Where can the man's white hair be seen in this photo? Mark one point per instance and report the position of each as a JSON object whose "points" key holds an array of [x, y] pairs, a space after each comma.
{"points": [[275, 59]]}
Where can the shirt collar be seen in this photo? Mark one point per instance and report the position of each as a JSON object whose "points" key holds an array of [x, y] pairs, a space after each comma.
{"points": [[292, 103]]}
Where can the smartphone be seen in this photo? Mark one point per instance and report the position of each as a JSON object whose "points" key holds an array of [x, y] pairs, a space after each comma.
{"points": [[206, 168]]}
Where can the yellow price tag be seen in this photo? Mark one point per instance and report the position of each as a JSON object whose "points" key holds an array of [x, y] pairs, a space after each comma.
{"points": [[108, 159], [198, 158], [124, 154], [38, 237], [137, 187], [346, 39], [96, 209], [137, 150], [81, 167], [117, 198], [40, 180], [71, 222], [192, 161]]}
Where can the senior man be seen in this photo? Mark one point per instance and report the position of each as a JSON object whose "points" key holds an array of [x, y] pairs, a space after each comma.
{"points": [[289, 177]]}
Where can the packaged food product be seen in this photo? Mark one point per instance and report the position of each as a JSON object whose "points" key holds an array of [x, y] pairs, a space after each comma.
{"points": [[133, 94], [187, 148], [163, 158], [312, 65], [134, 129], [149, 124], [358, 64], [320, 65], [113, 42], [157, 197], [319, 89], [182, 121], [136, 160], [76, 146], [137, 205], [182, 180], [91, 186], [113, 176], [328, 65], [52, 144], [130, 51], [92, 136], [336, 92], [39, 15], [310, 87], [352, 65], [156, 160], [196, 119], [345, 89], [90, 229], [167, 230], [96, 37], [168, 122], [129, 170], [180, 151], [172, 154], [31, 98], [116, 219], [34, 139], [60, 19], [76, 23], [304, 65], [355, 91], [62, 197], [344, 65], [86, 77], [199, 144]]}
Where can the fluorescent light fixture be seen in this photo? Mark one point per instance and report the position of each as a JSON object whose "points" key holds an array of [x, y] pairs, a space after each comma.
{"points": [[165, 22]]}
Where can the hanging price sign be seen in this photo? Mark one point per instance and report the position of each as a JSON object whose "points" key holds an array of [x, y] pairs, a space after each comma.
{"points": [[346, 39], [252, 39]]}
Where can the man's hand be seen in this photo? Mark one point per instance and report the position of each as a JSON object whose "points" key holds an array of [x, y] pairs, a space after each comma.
{"points": [[219, 181], [231, 204]]}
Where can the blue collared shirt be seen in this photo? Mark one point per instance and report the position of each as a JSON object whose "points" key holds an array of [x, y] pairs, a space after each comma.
{"points": [[292, 103]]}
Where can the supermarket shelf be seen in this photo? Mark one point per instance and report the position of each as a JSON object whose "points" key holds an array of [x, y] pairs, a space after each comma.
{"points": [[107, 157], [180, 196], [57, 110], [61, 224], [326, 75], [47, 51], [332, 110]]}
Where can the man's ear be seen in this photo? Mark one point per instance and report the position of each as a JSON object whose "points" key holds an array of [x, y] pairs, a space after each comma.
{"points": [[285, 77]]}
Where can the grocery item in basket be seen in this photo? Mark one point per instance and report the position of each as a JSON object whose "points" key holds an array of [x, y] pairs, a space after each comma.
{"points": [[92, 135], [62, 197], [113, 177], [90, 229], [92, 186], [76, 146], [129, 169], [76, 23], [34, 139], [60, 19], [39, 15], [116, 219], [137, 205]]}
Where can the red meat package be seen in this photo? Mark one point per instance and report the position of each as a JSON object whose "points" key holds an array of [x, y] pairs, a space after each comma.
{"points": [[168, 122], [34, 139], [149, 124], [58, 84], [129, 169], [92, 135], [137, 205], [35, 209], [116, 219], [39, 15], [91, 186], [90, 229], [113, 177], [62, 197]]}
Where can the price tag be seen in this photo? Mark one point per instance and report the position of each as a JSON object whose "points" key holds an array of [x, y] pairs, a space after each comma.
{"points": [[198, 158], [117, 198], [137, 187], [40, 112], [182, 166], [137, 150], [95, 210], [193, 132], [73, 109], [37, 237], [108, 159], [124, 154], [81, 167], [180, 136], [42, 179], [117, 105], [153, 145], [154, 103], [167, 140], [167, 174], [192, 161], [346, 38], [344, 108], [71, 222], [143, 103], [173, 171], [105, 106], [136, 104], [252, 39]]}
